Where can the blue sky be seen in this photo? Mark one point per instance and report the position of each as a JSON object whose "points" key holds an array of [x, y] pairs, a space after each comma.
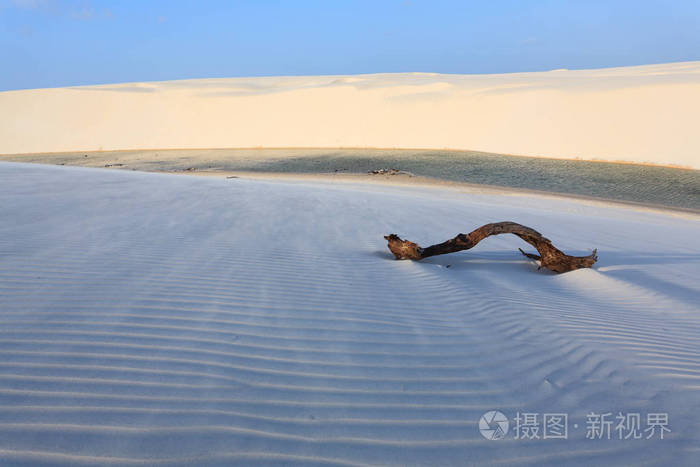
{"points": [[48, 43]]}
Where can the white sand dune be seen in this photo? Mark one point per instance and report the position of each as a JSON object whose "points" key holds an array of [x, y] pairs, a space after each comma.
{"points": [[150, 319], [638, 114]]}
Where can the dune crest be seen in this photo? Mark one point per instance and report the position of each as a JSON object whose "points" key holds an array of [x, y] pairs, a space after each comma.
{"points": [[644, 114]]}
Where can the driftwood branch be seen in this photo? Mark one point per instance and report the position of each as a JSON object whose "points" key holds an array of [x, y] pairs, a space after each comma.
{"points": [[549, 256]]}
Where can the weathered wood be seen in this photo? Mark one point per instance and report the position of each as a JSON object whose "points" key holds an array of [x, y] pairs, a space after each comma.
{"points": [[549, 256]]}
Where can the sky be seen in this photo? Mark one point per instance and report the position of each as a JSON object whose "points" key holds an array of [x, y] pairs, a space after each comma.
{"points": [[53, 43]]}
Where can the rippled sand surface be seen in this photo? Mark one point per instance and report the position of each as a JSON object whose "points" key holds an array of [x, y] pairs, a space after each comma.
{"points": [[153, 319]]}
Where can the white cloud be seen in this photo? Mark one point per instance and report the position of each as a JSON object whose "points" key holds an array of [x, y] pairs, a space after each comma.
{"points": [[30, 4], [81, 10], [83, 13]]}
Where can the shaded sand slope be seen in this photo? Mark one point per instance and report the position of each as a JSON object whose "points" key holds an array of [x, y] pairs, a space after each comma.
{"points": [[150, 319], [639, 114]]}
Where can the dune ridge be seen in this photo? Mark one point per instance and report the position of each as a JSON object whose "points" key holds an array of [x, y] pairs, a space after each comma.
{"points": [[643, 114]]}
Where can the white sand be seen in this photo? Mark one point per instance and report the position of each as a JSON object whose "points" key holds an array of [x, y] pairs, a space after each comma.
{"points": [[640, 114], [150, 319]]}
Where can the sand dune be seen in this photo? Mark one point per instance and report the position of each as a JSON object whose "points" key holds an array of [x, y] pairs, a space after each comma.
{"points": [[150, 319], [638, 114]]}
